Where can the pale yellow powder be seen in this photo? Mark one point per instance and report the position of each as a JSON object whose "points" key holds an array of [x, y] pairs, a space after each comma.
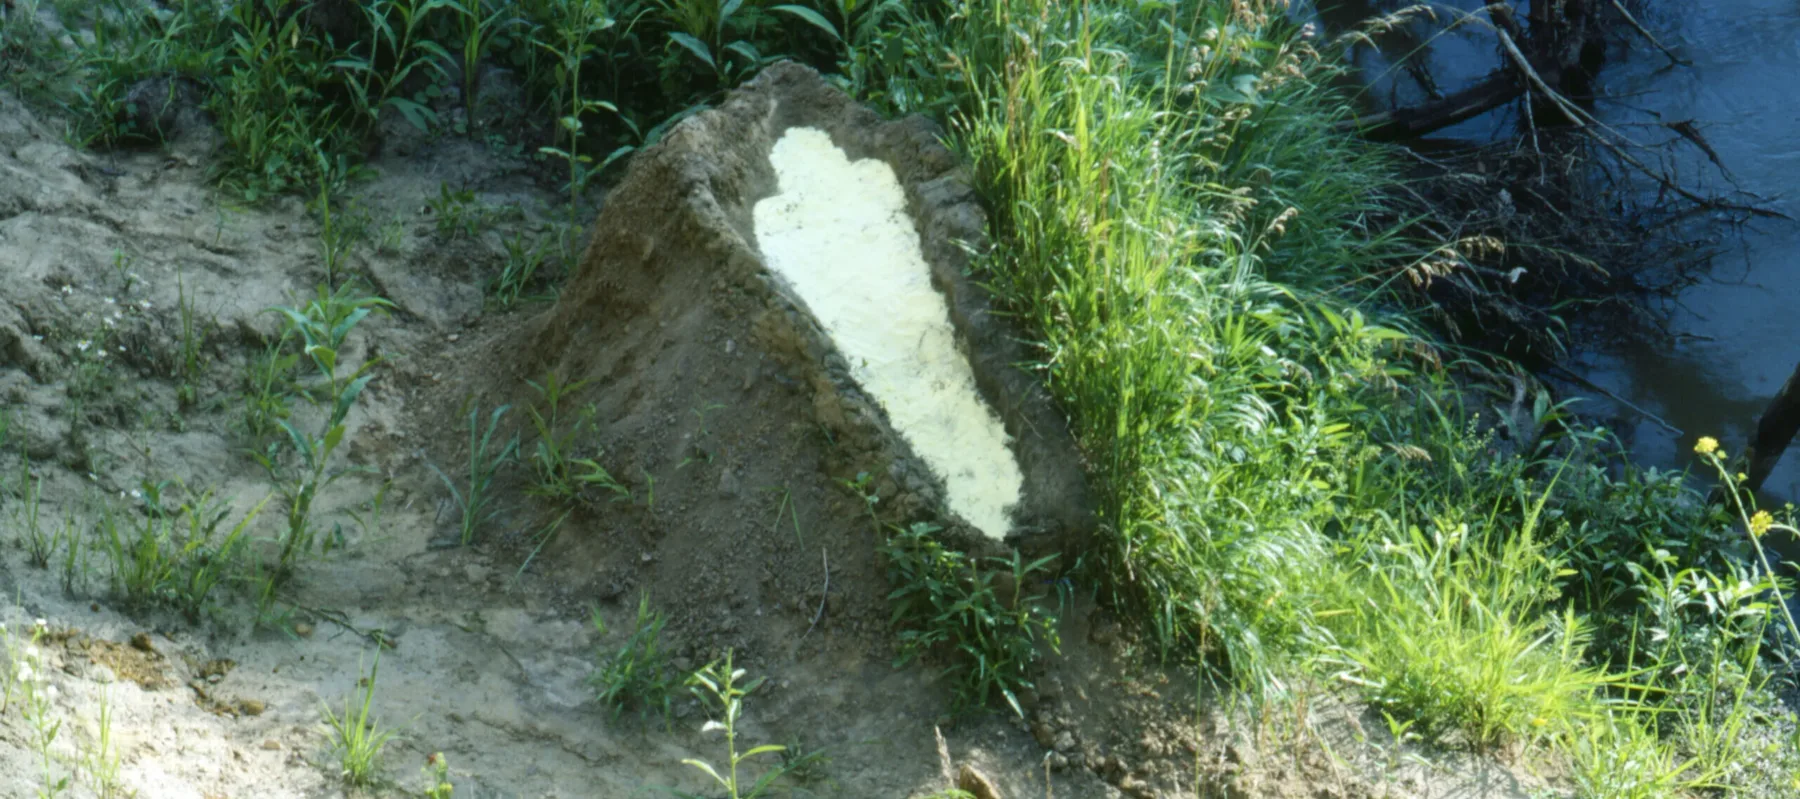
{"points": [[838, 233]]}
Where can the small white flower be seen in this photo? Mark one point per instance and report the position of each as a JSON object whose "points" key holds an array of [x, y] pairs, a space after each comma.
{"points": [[111, 301], [37, 337], [144, 304], [83, 345], [136, 494], [24, 673], [711, 726], [67, 289], [41, 623], [50, 693]]}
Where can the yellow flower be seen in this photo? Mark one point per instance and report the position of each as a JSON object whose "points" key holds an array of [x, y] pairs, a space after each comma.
{"points": [[1707, 445], [1760, 523], [1741, 477]]}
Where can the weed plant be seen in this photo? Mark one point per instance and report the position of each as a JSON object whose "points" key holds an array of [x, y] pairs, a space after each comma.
{"points": [[639, 672], [355, 738], [946, 603], [38, 546], [101, 761], [720, 686], [176, 556], [557, 470], [188, 367], [303, 468], [486, 457], [520, 273]]}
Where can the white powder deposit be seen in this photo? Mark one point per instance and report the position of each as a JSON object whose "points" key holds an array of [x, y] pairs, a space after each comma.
{"points": [[838, 233]]}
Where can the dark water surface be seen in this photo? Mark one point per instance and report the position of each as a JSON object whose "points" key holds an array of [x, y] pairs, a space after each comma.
{"points": [[1736, 332], [1737, 329]]}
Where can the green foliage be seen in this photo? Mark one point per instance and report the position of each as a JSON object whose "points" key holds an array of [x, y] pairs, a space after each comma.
{"points": [[189, 368], [717, 685], [485, 461], [557, 470], [302, 468], [173, 555], [355, 737], [1456, 637], [437, 769], [460, 214], [267, 397], [523, 260], [39, 545], [639, 672], [945, 603]]}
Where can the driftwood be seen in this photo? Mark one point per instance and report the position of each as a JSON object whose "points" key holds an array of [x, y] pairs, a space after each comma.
{"points": [[1412, 122], [1774, 431], [1558, 42]]}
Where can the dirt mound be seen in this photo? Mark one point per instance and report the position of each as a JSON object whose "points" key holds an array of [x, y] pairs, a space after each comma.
{"points": [[718, 390]]}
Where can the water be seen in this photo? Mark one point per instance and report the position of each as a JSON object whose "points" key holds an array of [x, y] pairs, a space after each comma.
{"points": [[1730, 349], [1733, 347]]}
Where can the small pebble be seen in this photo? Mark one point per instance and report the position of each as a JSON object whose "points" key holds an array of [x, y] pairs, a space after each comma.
{"points": [[270, 744]]}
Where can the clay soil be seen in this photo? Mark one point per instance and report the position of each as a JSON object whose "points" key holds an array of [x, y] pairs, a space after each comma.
{"points": [[717, 405]]}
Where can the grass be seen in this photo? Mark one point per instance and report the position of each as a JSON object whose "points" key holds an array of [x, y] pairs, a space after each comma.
{"points": [[638, 672], [174, 554], [486, 457], [355, 738], [558, 471], [951, 608], [520, 273], [101, 760]]}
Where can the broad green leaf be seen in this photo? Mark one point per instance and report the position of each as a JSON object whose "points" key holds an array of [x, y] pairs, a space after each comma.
{"points": [[811, 17], [695, 46]]}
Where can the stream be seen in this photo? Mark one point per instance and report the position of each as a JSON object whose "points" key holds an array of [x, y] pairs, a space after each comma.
{"points": [[1729, 350]]}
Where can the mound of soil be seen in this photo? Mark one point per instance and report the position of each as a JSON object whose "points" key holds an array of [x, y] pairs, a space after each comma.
{"points": [[717, 390]]}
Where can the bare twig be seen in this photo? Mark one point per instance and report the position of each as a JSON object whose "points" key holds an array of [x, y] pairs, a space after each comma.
{"points": [[823, 593], [1595, 387], [1587, 124], [1639, 27]]}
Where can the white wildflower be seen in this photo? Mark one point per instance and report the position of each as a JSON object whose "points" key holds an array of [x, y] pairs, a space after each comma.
{"points": [[83, 345]]}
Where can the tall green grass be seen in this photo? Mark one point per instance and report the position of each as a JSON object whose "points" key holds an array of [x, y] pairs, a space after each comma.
{"points": [[1139, 194], [1289, 477]]}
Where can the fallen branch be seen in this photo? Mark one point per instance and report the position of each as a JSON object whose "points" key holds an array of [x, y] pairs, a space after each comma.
{"points": [[1492, 92], [1587, 124]]}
